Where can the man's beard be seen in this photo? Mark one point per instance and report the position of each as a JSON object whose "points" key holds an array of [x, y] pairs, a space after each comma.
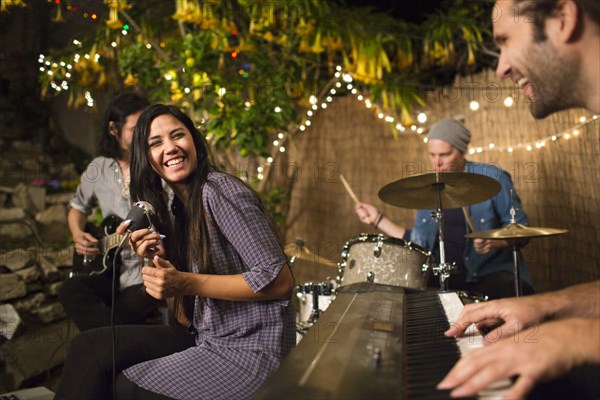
{"points": [[553, 78]]}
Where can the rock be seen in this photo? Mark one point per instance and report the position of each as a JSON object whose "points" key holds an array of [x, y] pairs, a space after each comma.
{"points": [[52, 289], [10, 321], [30, 302], [38, 197], [34, 352], [49, 271], [22, 199], [34, 287], [49, 312], [11, 214], [15, 231], [59, 198], [11, 287], [29, 274], [63, 257], [54, 214], [16, 259]]}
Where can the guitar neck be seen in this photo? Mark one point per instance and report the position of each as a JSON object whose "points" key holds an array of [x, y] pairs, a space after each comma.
{"points": [[113, 240]]}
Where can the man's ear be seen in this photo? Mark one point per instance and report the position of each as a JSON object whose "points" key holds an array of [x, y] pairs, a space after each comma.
{"points": [[113, 129], [565, 22]]}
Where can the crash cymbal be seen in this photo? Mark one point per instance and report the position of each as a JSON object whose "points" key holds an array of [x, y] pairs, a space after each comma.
{"points": [[516, 231], [458, 189], [301, 252]]}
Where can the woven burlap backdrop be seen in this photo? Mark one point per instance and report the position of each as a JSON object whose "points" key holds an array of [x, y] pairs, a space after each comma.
{"points": [[559, 184]]}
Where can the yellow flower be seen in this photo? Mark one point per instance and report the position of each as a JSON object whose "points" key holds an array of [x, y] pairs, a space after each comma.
{"points": [[130, 80]]}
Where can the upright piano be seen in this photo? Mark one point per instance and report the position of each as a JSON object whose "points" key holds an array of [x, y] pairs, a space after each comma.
{"points": [[375, 342]]}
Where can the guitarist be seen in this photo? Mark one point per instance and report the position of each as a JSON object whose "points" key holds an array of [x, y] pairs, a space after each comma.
{"points": [[86, 297]]}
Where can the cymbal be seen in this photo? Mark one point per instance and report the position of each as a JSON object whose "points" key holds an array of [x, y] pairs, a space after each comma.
{"points": [[516, 231], [300, 252], [458, 189]]}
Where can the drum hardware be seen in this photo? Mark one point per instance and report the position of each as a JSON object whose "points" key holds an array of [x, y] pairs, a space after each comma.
{"points": [[370, 276], [321, 295], [515, 233], [377, 250], [440, 190]]}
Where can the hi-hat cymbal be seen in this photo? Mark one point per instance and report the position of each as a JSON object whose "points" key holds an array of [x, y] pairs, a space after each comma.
{"points": [[300, 252], [458, 189], [516, 231]]}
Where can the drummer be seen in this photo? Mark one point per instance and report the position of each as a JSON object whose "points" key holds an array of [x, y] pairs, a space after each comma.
{"points": [[483, 266]]}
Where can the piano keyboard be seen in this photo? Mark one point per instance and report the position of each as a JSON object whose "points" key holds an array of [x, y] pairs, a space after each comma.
{"points": [[472, 340], [373, 342]]}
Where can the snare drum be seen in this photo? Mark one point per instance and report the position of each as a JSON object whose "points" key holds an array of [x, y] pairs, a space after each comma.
{"points": [[308, 293], [386, 260]]}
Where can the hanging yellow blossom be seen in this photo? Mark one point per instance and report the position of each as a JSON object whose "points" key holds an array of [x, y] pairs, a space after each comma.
{"points": [[58, 18], [5, 4], [130, 80], [114, 6]]}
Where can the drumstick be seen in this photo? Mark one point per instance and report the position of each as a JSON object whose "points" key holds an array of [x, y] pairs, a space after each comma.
{"points": [[468, 217], [349, 189]]}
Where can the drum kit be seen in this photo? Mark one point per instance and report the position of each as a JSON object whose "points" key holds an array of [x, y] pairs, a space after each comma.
{"points": [[391, 261]]}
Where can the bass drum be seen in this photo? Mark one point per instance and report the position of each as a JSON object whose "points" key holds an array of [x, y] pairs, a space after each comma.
{"points": [[385, 260]]}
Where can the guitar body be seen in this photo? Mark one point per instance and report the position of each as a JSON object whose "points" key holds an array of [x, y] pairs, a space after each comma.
{"points": [[107, 240]]}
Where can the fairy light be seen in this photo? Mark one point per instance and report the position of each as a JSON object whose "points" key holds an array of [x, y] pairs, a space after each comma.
{"points": [[277, 109], [509, 102], [422, 118], [473, 105], [541, 143]]}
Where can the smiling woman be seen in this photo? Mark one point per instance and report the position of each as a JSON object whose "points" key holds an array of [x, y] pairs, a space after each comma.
{"points": [[219, 262]]}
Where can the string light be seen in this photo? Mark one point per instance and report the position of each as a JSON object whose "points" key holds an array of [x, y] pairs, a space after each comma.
{"points": [[574, 131]]}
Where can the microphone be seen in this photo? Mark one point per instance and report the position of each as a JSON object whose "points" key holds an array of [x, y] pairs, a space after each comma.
{"points": [[140, 216]]}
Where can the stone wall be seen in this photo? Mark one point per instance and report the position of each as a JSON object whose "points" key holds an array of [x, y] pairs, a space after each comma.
{"points": [[35, 258]]}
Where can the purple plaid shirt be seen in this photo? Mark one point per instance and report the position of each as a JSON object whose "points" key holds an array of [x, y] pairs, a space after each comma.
{"points": [[239, 343]]}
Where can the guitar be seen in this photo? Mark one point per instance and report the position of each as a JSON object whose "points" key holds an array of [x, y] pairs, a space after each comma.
{"points": [[108, 241]]}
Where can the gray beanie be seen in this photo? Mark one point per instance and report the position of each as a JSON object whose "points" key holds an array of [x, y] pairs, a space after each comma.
{"points": [[451, 131]]}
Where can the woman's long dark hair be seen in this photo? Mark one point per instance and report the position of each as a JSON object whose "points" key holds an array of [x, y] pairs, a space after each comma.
{"points": [[187, 234], [117, 112]]}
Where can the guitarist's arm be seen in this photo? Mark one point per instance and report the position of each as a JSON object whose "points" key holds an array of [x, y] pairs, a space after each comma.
{"points": [[84, 242]]}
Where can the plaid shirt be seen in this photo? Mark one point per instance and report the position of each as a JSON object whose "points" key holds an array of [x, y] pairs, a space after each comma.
{"points": [[239, 343]]}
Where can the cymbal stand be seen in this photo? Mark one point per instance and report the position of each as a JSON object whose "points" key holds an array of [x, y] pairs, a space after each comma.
{"points": [[443, 269], [516, 249]]}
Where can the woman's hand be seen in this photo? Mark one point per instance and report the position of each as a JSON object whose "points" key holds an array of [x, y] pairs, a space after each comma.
{"points": [[145, 242], [164, 280]]}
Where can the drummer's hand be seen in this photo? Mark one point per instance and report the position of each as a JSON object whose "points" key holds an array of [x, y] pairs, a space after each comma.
{"points": [[146, 242], [366, 212], [538, 354], [506, 316], [484, 246]]}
